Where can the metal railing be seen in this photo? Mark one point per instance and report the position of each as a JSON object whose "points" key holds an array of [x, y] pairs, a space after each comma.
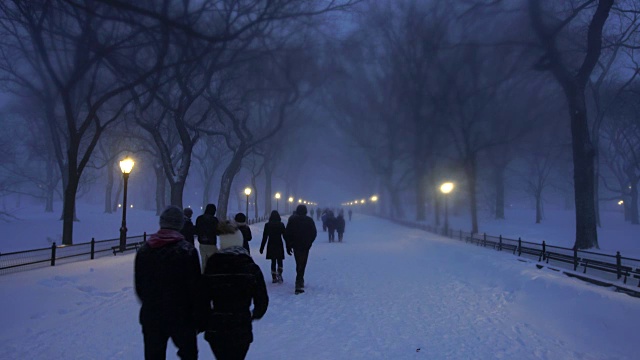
{"points": [[60, 254], [609, 268]]}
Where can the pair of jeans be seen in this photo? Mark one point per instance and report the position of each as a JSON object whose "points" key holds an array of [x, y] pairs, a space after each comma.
{"points": [[229, 350], [301, 257], [156, 338]]}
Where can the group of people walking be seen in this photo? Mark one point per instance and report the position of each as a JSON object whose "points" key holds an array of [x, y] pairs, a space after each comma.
{"points": [[183, 295], [333, 224]]}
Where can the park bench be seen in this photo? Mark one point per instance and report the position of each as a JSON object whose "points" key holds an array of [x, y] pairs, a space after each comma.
{"points": [[129, 246], [568, 259], [531, 251], [613, 268]]}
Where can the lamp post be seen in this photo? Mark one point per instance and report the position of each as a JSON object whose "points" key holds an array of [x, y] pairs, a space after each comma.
{"points": [[126, 166], [277, 198], [446, 188], [247, 191], [374, 199], [290, 204]]}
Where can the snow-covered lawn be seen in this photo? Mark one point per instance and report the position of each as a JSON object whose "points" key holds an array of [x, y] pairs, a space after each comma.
{"points": [[387, 292]]}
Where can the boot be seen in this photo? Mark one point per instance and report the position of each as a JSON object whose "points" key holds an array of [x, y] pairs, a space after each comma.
{"points": [[274, 278], [280, 280]]}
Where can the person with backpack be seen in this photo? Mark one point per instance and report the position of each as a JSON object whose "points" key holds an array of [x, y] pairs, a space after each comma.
{"points": [[230, 284], [272, 238], [207, 231]]}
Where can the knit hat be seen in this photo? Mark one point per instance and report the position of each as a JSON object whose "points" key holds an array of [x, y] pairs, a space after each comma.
{"points": [[172, 218], [240, 218], [188, 212], [229, 235], [301, 210]]}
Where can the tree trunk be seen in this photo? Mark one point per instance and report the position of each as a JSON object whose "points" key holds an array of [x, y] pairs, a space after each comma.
{"points": [[108, 193], [177, 189], [255, 197], [583, 173], [69, 210], [50, 189], [268, 191], [633, 206], [161, 182], [225, 183], [473, 202]]}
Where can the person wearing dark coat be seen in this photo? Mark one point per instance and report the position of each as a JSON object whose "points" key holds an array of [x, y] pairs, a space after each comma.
{"points": [[331, 226], [272, 238], [300, 233], [167, 273], [350, 213], [340, 224], [241, 222], [188, 229], [206, 229], [317, 214], [325, 215], [230, 283]]}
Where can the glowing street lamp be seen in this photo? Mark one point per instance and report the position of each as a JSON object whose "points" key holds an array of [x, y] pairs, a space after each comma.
{"points": [[620, 202], [277, 198], [247, 191], [446, 188], [126, 166], [290, 204]]}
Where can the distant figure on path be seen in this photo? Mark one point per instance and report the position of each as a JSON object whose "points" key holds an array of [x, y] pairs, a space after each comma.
{"points": [[241, 222], [350, 212], [272, 238], [167, 272], [188, 229], [207, 231], [331, 223], [231, 282], [340, 225], [299, 236]]}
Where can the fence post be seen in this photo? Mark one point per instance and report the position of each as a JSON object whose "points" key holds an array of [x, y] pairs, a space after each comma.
{"points": [[575, 258], [500, 243], [544, 250], [93, 247], [618, 264], [519, 246], [53, 254]]}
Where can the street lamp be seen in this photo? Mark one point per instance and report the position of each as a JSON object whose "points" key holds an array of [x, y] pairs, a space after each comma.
{"points": [[126, 166], [247, 191], [446, 188], [277, 198]]}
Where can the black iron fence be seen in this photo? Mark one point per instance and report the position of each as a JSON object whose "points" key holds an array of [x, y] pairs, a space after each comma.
{"points": [[611, 269], [60, 254]]}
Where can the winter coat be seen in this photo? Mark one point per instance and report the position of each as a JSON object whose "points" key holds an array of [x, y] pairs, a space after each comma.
{"points": [[230, 283], [300, 232], [188, 230], [340, 224], [331, 222], [246, 235], [167, 272], [272, 238], [207, 225]]}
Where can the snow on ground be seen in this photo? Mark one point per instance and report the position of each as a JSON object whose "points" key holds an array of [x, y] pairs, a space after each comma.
{"points": [[387, 292]]}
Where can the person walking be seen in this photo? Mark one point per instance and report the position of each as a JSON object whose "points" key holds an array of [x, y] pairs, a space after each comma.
{"points": [[350, 212], [241, 223], [331, 225], [167, 272], [300, 233], [230, 283], [317, 214], [340, 225], [206, 229], [188, 229], [272, 238]]}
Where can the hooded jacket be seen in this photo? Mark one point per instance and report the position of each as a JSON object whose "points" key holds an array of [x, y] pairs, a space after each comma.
{"points": [[167, 272], [231, 282]]}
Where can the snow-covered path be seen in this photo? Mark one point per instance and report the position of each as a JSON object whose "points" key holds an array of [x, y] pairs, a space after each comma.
{"points": [[387, 292]]}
